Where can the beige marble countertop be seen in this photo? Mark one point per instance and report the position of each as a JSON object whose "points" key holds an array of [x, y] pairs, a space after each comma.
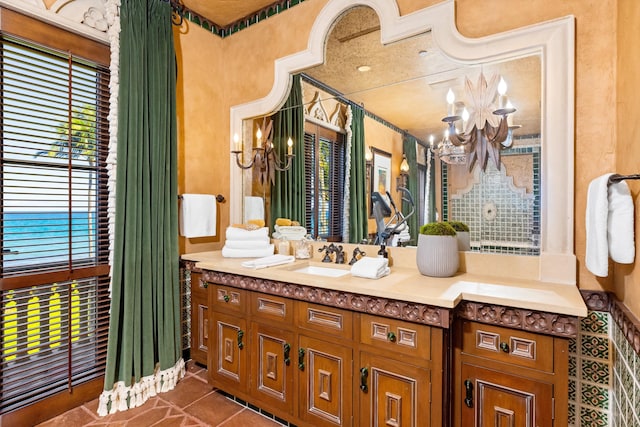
{"points": [[405, 283]]}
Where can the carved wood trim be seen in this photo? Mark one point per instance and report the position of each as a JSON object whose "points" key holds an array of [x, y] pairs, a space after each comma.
{"points": [[596, 300], [516, 318], [628, 323], [411, 312]]}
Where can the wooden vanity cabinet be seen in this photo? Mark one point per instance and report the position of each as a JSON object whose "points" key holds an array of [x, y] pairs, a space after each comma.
{"points": [[400, 373], [509, 378], [298, 360], [199, 319]]}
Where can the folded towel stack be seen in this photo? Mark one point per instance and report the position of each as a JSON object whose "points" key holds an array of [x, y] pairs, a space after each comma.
{"points": [[268, 261], [241, 243], [371, 268], [609, 225]]}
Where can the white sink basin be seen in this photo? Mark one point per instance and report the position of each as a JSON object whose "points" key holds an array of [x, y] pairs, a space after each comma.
{"points": [[321, 271]]}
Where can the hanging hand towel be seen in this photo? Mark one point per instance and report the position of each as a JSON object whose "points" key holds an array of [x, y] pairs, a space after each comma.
{"points": [[622, 248], [198, 215], [371, 268]]}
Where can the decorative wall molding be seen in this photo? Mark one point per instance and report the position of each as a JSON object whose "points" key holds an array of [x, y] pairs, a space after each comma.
{"points": [[516, 318], [628, 323], [411, 312], [86, 17], [597, 300]]}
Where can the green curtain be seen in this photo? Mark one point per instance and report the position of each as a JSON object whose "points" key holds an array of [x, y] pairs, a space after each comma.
{"points": [[409, 147], [288, 191], [358, 221], [144, 329]]}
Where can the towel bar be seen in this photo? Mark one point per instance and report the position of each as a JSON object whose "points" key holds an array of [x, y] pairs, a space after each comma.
{"points": [[617, 178], [219, 198]]}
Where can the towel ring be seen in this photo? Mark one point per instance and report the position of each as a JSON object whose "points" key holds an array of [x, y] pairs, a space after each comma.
{"points": [[617, 178], [219, 198]]}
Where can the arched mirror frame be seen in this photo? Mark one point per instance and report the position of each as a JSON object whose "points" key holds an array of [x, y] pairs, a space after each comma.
{"points": [[553, 40]]}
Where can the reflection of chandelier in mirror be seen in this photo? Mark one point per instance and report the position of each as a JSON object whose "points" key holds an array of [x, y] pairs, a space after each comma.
{"points": [[486, 128], [265, 158]]}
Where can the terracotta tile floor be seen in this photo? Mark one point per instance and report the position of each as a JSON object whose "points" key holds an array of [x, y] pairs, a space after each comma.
{"points": [[192, 403]]}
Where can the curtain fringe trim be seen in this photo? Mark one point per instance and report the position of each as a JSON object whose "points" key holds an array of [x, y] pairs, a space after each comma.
{"points": [[123, 397]]}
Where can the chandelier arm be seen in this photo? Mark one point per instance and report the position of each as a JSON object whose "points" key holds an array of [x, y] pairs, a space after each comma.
{"points": [[502, 131], [251, 163]]}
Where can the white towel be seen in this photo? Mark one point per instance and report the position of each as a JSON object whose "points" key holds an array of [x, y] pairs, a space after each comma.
{"points": [[622, 248], [268, 261], [609, 225], [234, 233], [253, 208], [370, 268], [247, 253], [198, 215], [248, 244]]}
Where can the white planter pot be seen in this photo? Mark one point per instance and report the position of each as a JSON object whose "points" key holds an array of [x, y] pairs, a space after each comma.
{"points": [[437, 256], [464, 241]]}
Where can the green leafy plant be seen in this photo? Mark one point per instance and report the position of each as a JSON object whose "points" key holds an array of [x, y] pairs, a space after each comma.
{"points": [[459, 226], [437, 229]]}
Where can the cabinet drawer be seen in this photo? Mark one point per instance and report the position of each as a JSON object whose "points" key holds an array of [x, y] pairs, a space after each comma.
{"points": [[326, 320], [198, 286], [272, 308], [507, 345], [396, 335], [227, 299]]}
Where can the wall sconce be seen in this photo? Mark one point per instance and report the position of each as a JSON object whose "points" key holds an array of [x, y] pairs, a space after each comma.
{"points": [[368, 157], [264, 158], [401, 180], [486, 127]]}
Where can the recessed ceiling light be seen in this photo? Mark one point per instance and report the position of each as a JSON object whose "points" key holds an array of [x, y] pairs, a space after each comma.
{"points": [[364, 68], [423, 53]]}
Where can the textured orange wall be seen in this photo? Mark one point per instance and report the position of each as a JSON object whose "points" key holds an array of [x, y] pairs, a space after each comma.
{"points": [[627, 277], [240, 68]]}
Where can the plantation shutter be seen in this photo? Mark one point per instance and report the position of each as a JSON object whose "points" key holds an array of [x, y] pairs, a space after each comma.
{"points": [[54, 263]]}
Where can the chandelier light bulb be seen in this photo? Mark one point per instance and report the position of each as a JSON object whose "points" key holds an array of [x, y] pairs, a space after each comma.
{"points": [[289, 146], [502, 91], [450, 99], [258, 137], [465, 115]]}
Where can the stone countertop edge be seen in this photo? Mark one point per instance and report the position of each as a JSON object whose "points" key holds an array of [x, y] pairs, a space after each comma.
{"points": [[407, 284]]}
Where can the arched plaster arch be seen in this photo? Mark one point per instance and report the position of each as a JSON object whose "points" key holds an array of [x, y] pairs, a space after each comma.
{"points": [[553, 40]]}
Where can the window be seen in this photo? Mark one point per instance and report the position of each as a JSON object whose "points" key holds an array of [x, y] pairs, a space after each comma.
{"points": [[324, 181], [54, 263]]}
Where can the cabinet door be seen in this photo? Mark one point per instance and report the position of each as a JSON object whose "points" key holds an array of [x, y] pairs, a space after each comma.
{"points": [[273, 366], [199, 328], [325, 381], [393, 393], [228, 368], [493, 398]]}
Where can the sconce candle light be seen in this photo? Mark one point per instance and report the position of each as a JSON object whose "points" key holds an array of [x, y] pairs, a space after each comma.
{"points": [[265, 158]]}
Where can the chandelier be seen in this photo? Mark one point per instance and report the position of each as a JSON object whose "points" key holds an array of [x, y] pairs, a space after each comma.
{"points": [[485, 126], [265, 158]]}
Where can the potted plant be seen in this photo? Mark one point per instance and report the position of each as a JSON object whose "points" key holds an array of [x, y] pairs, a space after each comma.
{"points": [[437, 253], [462, 233]]}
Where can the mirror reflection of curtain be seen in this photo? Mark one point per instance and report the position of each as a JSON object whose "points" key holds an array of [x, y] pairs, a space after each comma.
{"points": [[409, 148], [288, 191], [358, 221]]}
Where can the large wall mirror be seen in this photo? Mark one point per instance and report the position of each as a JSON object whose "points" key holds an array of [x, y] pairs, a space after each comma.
{"points": [[525, 205]]}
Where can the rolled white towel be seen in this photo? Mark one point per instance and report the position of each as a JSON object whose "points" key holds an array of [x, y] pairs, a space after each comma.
{"points": [[257, 243], [371, 268], [235, 233], [268, 261], [247, 253]]}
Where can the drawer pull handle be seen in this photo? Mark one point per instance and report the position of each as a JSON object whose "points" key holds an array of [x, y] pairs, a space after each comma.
{"points": [[468, 400], [226, 298], [504, 347], [391, 337], [205, 284], [240, 335], [287, 348], [301, 359], [364, 374]]}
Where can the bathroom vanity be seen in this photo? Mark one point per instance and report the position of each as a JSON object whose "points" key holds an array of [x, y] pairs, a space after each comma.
{"points": [[405, 350]]}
